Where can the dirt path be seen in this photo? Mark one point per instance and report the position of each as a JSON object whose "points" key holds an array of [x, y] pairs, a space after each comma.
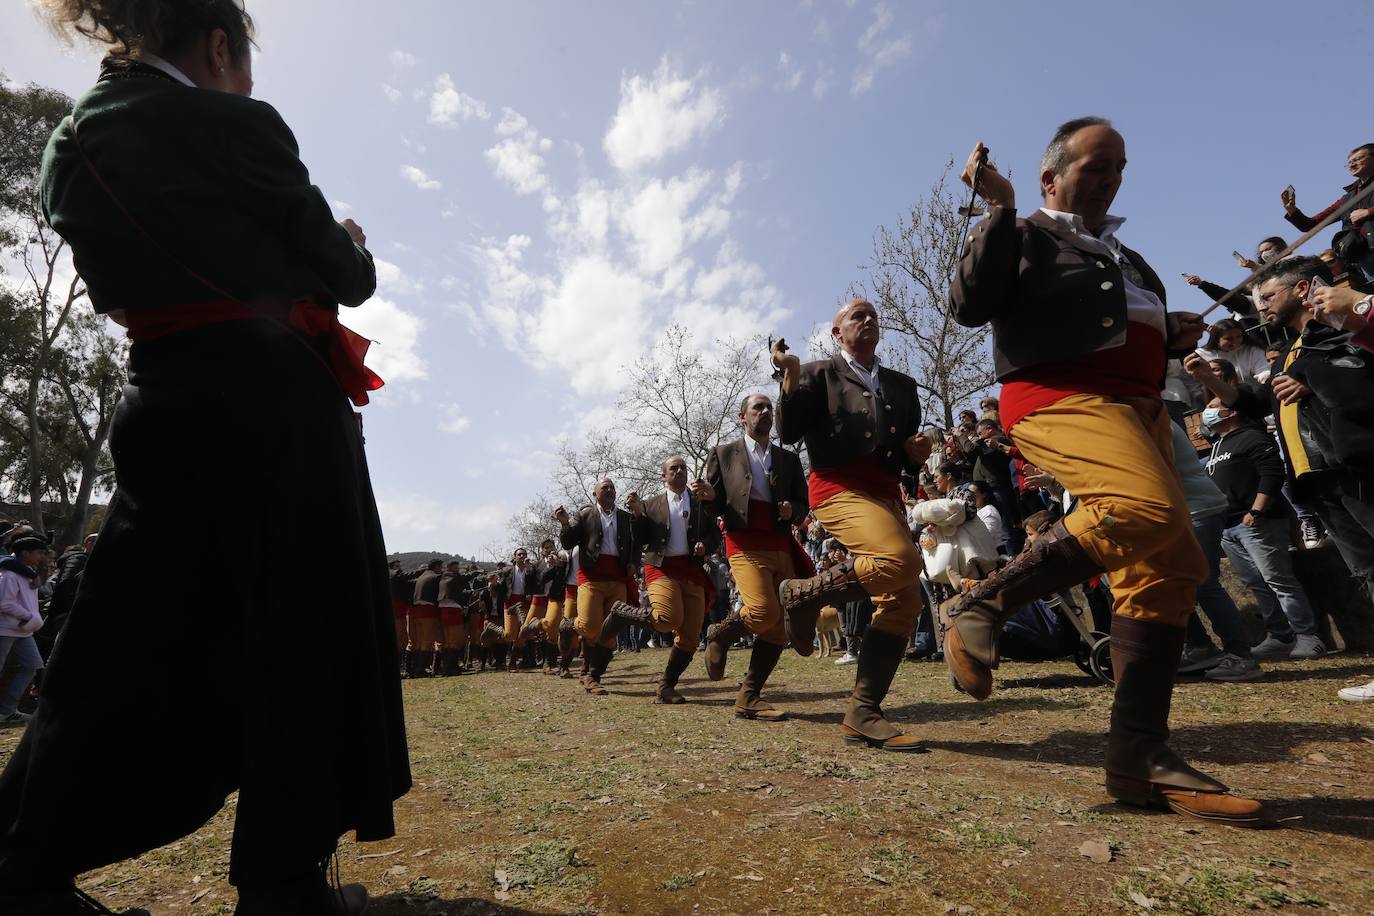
{"points": [[533, 797]]}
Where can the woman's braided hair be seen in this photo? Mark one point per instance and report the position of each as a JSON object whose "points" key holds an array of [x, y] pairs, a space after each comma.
{"points": [[162, 27]]}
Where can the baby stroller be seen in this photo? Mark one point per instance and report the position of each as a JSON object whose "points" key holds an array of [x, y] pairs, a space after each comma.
{"points": [[1034, 632]]}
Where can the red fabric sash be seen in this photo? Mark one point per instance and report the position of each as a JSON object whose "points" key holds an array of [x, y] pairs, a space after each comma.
{"points": [[684, 569], [607, 568], [346, 347], [569, 592], [539, 601]]}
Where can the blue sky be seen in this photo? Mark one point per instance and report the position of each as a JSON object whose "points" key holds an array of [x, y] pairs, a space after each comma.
{"points": [[548, 185]]}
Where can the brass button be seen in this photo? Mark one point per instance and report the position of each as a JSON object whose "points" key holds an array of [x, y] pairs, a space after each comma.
{"points": [[889, 454], [865, 411], [1108, 322], [868, 394], [889, 407], [868, 435], [1100, 264], [1107, 284], [970, 238]]}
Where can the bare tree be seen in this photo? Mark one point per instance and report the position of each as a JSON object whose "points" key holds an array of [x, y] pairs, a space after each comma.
{"points": [[908, 280], [680, 400]]}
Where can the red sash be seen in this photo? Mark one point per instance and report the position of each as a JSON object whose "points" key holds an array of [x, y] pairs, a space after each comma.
{"points": [[346, 347], [684, 569], [608, 569]]}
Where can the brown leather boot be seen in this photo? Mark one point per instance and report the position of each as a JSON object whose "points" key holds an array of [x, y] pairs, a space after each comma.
{"points": [[719, 638], [678, 660], [863, 720], [802, 600], [973, 620], [567, 641], [600, 658], [586, 657], [532, 628], [1142, 769], [762, 660], [619, 617]]}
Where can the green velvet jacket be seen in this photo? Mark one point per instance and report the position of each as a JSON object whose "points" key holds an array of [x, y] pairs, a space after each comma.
{"points": [[216, 182]]}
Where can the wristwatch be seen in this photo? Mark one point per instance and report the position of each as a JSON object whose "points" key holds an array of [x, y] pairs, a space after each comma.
{"points": [[1362, 307]]}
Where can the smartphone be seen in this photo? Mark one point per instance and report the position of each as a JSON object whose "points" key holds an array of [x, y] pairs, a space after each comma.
{"points": [[1238, 256], [1318, 313], [1290, 190]]}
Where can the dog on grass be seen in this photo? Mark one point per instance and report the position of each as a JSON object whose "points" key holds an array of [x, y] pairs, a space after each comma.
{"points": [[828, 630]]}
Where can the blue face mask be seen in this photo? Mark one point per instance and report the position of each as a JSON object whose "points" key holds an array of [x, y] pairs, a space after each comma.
{"points": [[1211, 418]]}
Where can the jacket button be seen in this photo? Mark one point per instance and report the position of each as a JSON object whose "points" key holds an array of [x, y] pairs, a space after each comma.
{"points": [[1108, 322], [888, 406], [868, 435], [889, 454], [892, 429], [864, 411], [1107, 284], [1100, 264], [970, 238], [868, 394]]}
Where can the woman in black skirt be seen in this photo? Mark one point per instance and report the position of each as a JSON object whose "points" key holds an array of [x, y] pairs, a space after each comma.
{"points": [[234, 630]]}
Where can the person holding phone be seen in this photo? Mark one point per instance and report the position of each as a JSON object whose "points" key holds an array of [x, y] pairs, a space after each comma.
{"points": [[1351, 243]]}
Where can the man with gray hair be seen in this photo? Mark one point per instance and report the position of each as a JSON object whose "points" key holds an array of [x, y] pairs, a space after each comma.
{"points": [[1080, 337]]}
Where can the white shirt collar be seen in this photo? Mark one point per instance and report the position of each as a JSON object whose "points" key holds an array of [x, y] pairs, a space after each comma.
{"points": [[1107, 231], [760, 451], [153, 60], [867, 374]]}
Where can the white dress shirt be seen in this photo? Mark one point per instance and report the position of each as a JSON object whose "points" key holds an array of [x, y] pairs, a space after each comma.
{"points": [[1142, 305], [760, 464], [609, 546], [679, 507], [574, 563], [870, 380], [517, 581]]}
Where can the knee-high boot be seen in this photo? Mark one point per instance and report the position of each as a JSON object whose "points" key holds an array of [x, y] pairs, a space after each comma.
{"points": [[864, 722], [678, 660], [762, 660]]}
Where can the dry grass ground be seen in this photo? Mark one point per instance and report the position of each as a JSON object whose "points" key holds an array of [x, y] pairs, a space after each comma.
{"points": [[531, 796]]}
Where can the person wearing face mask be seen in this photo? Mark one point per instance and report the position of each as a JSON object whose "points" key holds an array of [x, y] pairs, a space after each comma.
{"points": [[193, 221], [1246, 467]]}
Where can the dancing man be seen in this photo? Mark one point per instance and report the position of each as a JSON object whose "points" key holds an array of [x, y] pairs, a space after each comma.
{"points": [[517, 584], [426, 631], [604, 536], [860, 421], [1080, 337], [678, 529], [759, 490]]}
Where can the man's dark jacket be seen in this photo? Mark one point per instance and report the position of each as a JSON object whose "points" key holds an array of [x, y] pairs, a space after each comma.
{"points": [[833, 412], [1049, 295], [651, 528], [584, 531], [731, 475]]}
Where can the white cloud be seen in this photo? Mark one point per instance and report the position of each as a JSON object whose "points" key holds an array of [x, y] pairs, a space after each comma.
{"points": [[517, 158], [402, 60], [392, 281], [454, 421], [821, 86], [660, 115], [417, 177], [790, 73], [340, 207], [395, 333], [411, 513], [878, 53], [393, 95], [447, 105]]}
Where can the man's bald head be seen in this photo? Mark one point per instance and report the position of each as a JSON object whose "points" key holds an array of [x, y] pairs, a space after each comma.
{"points": [[856, 330], [839, 315]]}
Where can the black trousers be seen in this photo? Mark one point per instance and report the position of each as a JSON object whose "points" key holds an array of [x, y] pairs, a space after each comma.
{"points": [[1344, 501], [242, 529]]}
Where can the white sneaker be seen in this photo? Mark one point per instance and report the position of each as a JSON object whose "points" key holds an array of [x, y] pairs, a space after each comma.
{"points": [[1308, 647], [1361, 694], [847, 659]]}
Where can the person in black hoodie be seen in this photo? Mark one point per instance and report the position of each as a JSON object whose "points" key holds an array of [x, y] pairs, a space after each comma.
{"points": [[1320, 395], [1246, 467]]}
